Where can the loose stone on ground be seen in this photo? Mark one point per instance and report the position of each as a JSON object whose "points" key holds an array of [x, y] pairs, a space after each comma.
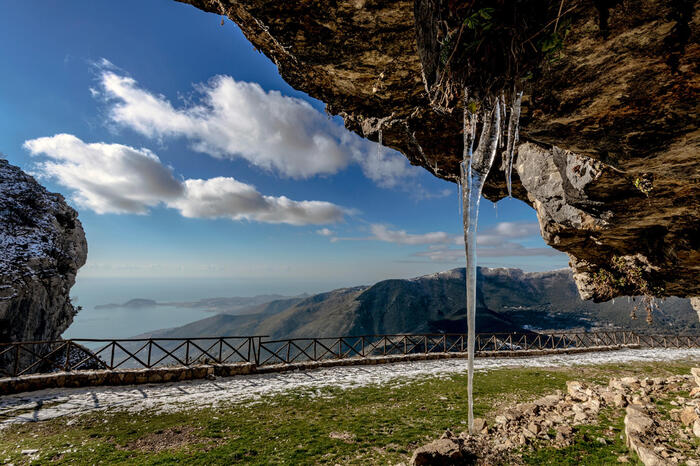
{"points": [[656, 434]]}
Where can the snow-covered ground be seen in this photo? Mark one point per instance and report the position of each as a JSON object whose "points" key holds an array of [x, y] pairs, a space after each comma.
{"points": [[49, 404]]}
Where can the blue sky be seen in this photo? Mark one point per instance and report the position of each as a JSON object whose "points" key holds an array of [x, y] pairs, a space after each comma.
{"points": [[187, 155]]}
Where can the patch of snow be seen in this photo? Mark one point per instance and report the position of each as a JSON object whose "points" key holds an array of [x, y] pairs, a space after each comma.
{"points": [[181, 396]]}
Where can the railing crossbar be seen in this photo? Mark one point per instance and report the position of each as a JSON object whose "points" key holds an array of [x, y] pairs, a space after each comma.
{"points": [[168, 354], [41, 358], [132, 355], [202, 350], [235, 350]]}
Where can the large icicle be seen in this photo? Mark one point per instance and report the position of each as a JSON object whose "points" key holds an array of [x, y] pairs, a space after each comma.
{"points": [[513, 137], [475, 168]]}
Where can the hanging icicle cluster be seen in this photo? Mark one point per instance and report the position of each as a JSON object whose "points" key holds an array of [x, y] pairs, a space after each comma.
{"points": [[476, 164]]}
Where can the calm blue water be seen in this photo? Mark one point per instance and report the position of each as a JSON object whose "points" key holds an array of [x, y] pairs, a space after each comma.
{"points": [[124, 323]]}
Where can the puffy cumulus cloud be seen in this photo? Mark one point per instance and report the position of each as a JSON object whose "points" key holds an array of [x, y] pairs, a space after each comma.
{"points": [[106, 178], [239, 119], [114, 178], [325, 232], [235, 119], [227, 198]]}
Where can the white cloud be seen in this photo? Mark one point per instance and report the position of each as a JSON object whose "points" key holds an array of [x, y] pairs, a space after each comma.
{"points": [[238, 119], [114, 178], [516, 229], [227, 198], [501, 235], [385, 167], [382, 233], [325, 232], [445, 254], [499, 241], [106, 178]]}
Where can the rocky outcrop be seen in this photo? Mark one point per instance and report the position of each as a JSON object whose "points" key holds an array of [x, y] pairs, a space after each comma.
{"points": [[42, 246], [610, 156]]}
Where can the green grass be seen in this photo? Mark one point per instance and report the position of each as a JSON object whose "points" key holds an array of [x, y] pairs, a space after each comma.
{"points": [[376, 425]]}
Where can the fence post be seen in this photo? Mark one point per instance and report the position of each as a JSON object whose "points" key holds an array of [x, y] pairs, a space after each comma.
{"points": [[187, 352], [111, 358], [66, 366], [363, 347], [16, 360], [257, 350], [150, 347]]}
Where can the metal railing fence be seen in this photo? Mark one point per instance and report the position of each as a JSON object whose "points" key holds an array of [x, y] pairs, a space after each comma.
{"points": [[21, 358]]}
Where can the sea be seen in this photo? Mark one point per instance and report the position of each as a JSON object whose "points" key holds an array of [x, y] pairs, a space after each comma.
{"points": [[115, 323]]}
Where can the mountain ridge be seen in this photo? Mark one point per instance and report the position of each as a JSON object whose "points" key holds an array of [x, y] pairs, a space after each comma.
{"points": [[507, 300]]}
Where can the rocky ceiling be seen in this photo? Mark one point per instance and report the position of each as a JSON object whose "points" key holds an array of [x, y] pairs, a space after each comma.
{"points": [[609, 130]]}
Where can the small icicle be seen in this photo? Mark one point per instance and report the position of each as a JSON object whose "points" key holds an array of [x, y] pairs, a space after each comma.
{"points": [[459, 192], [513, 137], [502, 144]]}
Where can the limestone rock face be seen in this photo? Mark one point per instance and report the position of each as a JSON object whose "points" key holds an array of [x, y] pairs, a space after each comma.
{"points": [[610, 158], [42, 246], [695, 302]]}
